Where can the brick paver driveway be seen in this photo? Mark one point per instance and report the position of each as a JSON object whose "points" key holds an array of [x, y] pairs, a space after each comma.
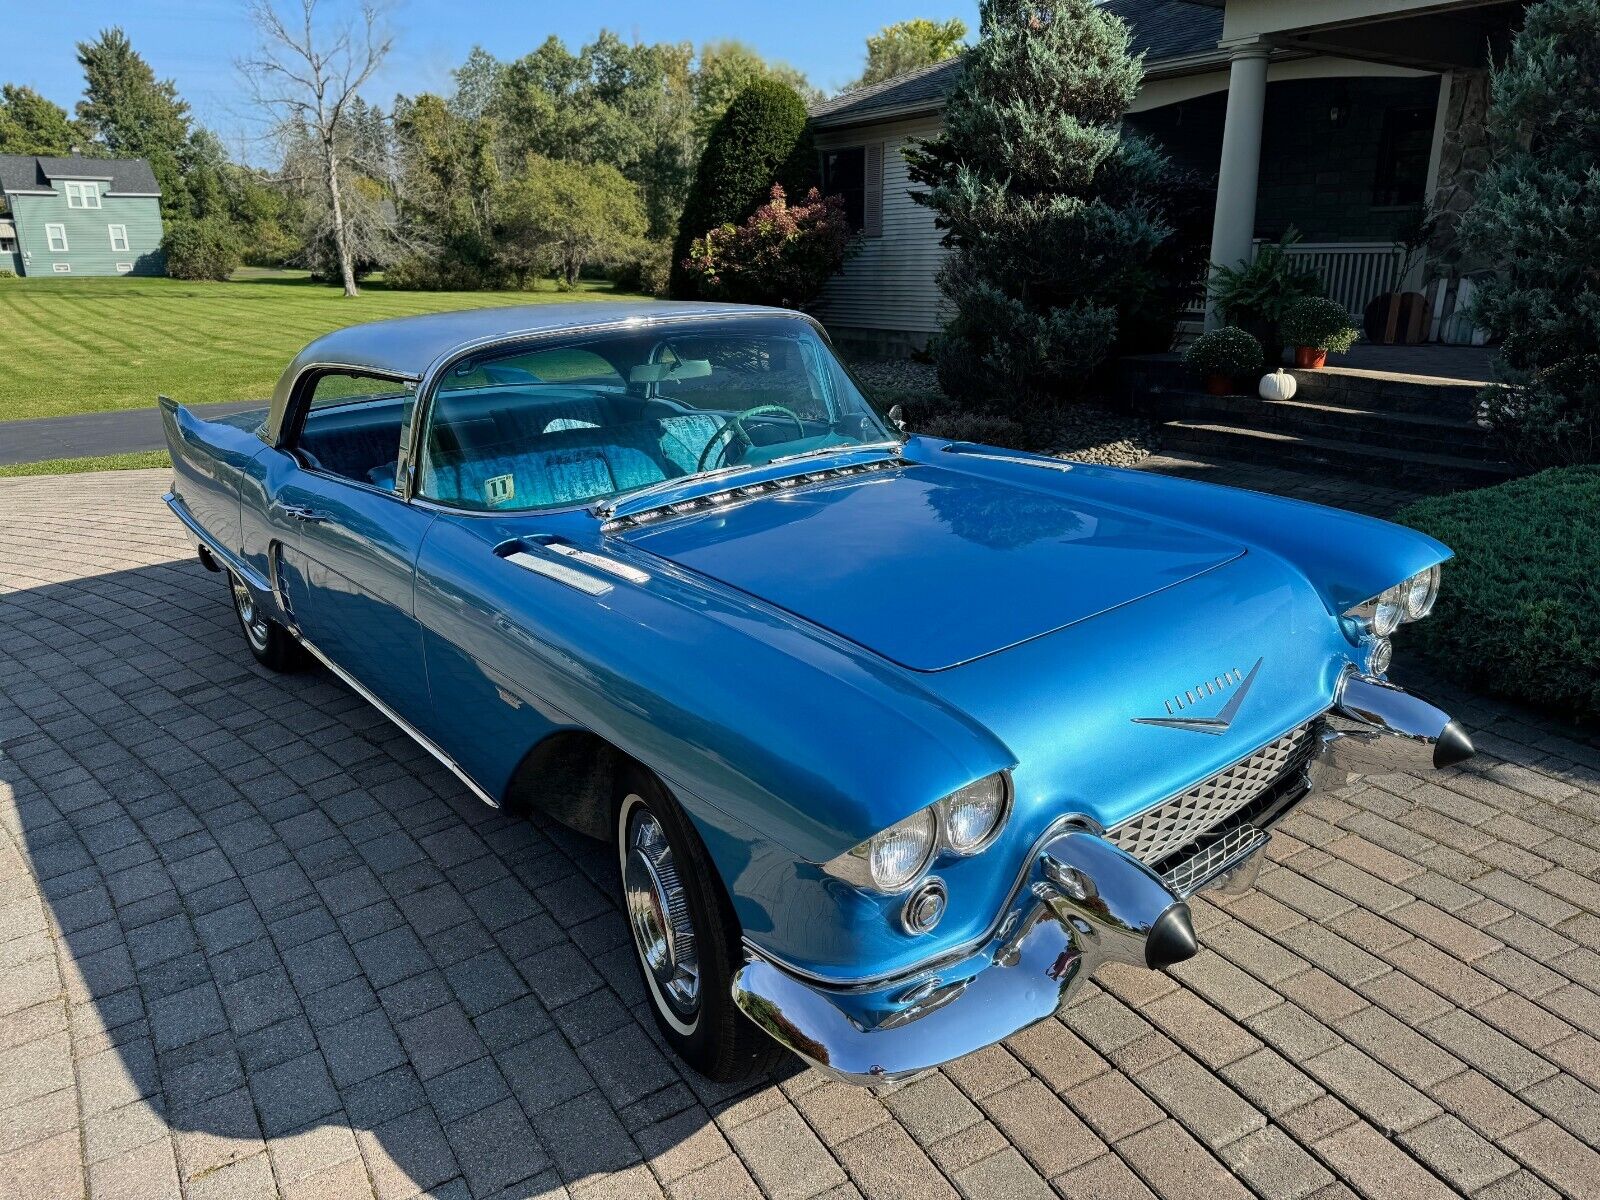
{"points": [[252, 940]]}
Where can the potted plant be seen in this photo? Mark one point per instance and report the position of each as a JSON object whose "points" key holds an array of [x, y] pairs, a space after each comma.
{"points": [[1255, 295], [1221, 355], [1317, 326]]}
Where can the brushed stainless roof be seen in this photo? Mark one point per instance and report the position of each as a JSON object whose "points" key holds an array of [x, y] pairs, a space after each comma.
{"points": [[405, 347]]}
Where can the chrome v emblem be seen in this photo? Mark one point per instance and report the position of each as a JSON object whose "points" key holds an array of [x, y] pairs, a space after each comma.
{"points": [[1213, 725]]}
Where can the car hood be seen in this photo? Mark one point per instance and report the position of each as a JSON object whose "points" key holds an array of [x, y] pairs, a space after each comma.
{"points": [[932, 567]]}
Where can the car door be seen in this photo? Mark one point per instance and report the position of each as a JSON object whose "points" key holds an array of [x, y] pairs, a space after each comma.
{"points": [[349, 542]]}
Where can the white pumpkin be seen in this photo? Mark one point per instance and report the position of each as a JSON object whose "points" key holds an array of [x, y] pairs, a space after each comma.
{"points": [[1278, 385]]}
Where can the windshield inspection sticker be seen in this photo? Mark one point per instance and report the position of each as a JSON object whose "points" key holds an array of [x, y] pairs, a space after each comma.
{"points": [[499, 489]]}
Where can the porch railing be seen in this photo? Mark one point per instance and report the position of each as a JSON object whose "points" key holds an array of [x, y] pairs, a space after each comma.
{"points": [[1353, 273]]}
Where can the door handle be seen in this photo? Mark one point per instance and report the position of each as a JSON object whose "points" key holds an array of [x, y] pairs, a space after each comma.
{"points": [[309, 515]]}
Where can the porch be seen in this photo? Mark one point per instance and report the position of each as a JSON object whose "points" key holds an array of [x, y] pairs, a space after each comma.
{"points": [[1354, 122]]}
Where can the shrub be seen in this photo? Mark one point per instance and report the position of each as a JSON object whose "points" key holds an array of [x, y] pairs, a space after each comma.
{"points": [[782, 255], [1320, 323], [649, 271], [7, 273], [1227, 350], [1519, 612], [1534, 215], [204, 249], [1073, 241], [762, 138], [1257, 295]]}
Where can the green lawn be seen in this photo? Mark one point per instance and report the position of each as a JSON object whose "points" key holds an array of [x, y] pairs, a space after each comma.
{"points": [[93, 345], [73, 466]]}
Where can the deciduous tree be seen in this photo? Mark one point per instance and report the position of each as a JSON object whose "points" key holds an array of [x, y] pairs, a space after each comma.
{"points": [[567, 216], [907, 45], [30, 124], [308, 77]]}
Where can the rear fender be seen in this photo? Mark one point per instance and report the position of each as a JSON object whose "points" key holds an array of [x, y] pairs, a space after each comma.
{"points": [[208, 459]]}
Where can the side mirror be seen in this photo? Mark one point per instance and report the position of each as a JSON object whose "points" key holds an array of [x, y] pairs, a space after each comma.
{"points": [[897, 418]]}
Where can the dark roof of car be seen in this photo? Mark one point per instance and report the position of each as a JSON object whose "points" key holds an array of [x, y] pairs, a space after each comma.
{"points": [[1162, 29], [33, 172]]}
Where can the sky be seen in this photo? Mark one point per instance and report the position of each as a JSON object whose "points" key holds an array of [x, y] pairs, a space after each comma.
{"points": [[197, 43]]}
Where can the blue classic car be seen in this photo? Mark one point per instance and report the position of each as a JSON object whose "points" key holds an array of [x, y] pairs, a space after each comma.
{"points": [[896, 738]]}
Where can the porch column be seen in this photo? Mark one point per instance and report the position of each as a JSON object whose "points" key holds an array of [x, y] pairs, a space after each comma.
{"points": [[1233, 228]]}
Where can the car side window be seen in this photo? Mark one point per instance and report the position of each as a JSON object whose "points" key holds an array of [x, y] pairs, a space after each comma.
{"points": [[353, 425]]}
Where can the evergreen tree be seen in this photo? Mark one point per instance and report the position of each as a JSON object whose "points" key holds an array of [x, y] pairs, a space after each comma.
{"points": [[132, 114], [1073, 240], [1537, 214], [30, 124], [761, 139]]}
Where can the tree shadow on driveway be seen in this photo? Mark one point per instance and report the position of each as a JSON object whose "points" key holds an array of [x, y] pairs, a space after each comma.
{"points": [[278, 923]]}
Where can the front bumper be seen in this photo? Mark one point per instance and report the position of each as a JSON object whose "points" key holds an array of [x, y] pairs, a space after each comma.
{"points": [[1081, 901]]}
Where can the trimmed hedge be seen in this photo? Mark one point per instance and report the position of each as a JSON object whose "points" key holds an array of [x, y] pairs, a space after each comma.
{"points": [[762, 139], [1519, 611]]}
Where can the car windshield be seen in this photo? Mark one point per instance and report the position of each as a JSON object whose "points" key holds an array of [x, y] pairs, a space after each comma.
{"points": [[573, 421]]}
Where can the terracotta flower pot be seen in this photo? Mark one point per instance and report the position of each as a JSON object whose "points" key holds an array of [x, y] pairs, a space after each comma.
{"points": [[1309, 358], [1218, 384]]}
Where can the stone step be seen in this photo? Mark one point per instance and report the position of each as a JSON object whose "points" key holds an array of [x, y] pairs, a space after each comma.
{"points": [[1394, 430], [1346, 387], [1413, 469]]}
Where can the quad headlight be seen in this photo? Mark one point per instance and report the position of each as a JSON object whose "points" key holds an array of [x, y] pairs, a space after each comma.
{"points": [[1378, 618], [963, 823]]}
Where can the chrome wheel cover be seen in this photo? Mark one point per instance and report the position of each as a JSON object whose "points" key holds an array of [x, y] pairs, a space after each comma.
{"points": [[658, 912], [255, 625]]}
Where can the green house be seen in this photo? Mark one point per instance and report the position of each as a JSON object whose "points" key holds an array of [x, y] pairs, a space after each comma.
{"points": [[79, 216]]}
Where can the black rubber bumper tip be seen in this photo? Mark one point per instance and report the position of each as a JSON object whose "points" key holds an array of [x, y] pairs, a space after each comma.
{"points": [[1453, 746], [1171, 939]]}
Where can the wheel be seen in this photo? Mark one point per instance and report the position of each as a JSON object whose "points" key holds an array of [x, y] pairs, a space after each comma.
{"points": [[685, 934], [268, 641]]}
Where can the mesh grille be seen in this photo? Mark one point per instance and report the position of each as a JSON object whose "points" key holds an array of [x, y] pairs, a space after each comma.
{"points": [[1173, 824]]}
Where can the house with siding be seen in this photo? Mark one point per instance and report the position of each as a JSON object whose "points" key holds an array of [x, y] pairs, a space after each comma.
{"points": [[1346, 120], [79, 216]]}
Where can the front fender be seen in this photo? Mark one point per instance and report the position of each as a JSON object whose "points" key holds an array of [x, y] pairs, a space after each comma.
{"points": [[798, 737]]}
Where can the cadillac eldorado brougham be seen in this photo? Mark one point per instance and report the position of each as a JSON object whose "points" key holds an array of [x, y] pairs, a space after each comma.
{"points": [[896, 738]]}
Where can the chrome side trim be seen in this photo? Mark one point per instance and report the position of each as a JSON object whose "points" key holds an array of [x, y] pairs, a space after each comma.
{"points": [[973, 451], [407, 727], [225, 557]]}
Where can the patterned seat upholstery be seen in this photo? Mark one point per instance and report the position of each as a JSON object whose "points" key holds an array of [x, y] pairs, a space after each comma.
{"points": [[684, 439], [562, 467]]}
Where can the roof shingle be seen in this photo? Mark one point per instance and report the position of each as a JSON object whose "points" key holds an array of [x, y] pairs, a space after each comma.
{"points": [[1162, 29], [30, 172]]}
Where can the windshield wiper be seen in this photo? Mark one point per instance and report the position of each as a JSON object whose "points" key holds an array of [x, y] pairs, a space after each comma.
{"points": [[838, 448], [608, 508]]}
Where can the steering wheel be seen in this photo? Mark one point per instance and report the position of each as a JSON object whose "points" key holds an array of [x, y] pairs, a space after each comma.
{"points": [[736, 426]]}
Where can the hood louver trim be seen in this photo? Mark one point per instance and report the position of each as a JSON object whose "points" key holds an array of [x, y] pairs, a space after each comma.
{"points": [[730, 497]]}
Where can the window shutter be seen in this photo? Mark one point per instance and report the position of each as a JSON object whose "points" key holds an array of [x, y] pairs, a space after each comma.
{"points": [[872, 198]]}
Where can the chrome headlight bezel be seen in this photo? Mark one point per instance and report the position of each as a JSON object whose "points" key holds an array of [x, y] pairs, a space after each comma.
{"points": [[1000, 784], [931, 826], [1411, 599]]}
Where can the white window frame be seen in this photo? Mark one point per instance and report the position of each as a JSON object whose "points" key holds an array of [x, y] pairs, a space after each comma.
{"points": [[87, 192], [61, 268], [124, 267], [119, 238], [55, 232]]}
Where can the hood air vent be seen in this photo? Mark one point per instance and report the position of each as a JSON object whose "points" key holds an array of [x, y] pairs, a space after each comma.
{"points": [[730, 497]]}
